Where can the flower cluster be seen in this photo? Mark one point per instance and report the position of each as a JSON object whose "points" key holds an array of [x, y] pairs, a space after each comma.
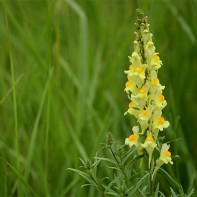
{"points": [[145, 93]]}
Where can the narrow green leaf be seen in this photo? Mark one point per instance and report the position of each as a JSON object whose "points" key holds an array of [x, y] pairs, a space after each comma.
{"points": [[136, 187], [191, 193], [169, 178], [106, 159], [173, 193], [157, 190], [83, 174]]}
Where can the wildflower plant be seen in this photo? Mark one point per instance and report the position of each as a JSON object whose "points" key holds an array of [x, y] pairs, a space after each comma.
{"points": [[123, 176], [146, 97]]}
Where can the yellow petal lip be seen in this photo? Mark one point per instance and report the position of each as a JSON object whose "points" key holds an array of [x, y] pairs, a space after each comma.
{"points": [[128, 83], [156, 57], [145, 112], [161, 120], [139, 69], [167, 153], [142, 91], [156, 80], [133, 137], [131, 104], [161, 97], [149, 138], [131, 67]]}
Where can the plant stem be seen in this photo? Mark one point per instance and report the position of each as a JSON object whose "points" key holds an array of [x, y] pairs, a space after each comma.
{"points": [[98, 185], [150, 183], [122, 170]]}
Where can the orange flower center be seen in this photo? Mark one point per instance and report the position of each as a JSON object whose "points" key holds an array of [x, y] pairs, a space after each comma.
{"points": [[156, 57], [160, 120], [128, 83], [156, 80], [149, 138], [145, 112], [131, 104], [142, 91], [139, 69], [167, 153], [161, 97], [132, 137], [131, 67]]}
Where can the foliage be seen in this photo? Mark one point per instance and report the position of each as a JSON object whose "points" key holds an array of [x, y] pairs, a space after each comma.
{"points": [[128, 179], [68, 58]]}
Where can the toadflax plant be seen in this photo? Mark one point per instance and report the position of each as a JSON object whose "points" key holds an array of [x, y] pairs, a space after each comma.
{"points": [[120, 174], [147, 101]]}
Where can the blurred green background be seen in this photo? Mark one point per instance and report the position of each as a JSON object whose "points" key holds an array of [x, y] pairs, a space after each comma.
{"points": [[62, 82]]}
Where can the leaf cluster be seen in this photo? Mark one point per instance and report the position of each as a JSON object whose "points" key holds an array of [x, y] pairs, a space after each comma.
{"points": [[125, 176]]}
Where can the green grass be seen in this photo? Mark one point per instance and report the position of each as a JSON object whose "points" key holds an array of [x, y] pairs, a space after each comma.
{"points": [[62, 85]]}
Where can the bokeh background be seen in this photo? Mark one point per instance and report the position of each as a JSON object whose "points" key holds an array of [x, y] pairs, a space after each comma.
{"points": [[62, 82]]}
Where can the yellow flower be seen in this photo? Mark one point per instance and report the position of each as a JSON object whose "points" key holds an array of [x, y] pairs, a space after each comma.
{"points": [[165, 158], [132, 109], [140, 98], [149, 51], [165, 154], [129, 87], [149, 145], [146, 36], [136, 46], [155, 85], [156, 62], [160, 102], [137, 76], [159, 122], [131, 69], [143, 119], [133, 139], [144, 115], [135, 59]]}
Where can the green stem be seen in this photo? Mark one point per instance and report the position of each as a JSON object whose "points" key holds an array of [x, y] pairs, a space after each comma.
{"points": [[98, 185], [151, 185], [121, 168]]}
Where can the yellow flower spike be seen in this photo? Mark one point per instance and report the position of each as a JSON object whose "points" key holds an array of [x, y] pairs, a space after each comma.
{"points": [[146, 93]]}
